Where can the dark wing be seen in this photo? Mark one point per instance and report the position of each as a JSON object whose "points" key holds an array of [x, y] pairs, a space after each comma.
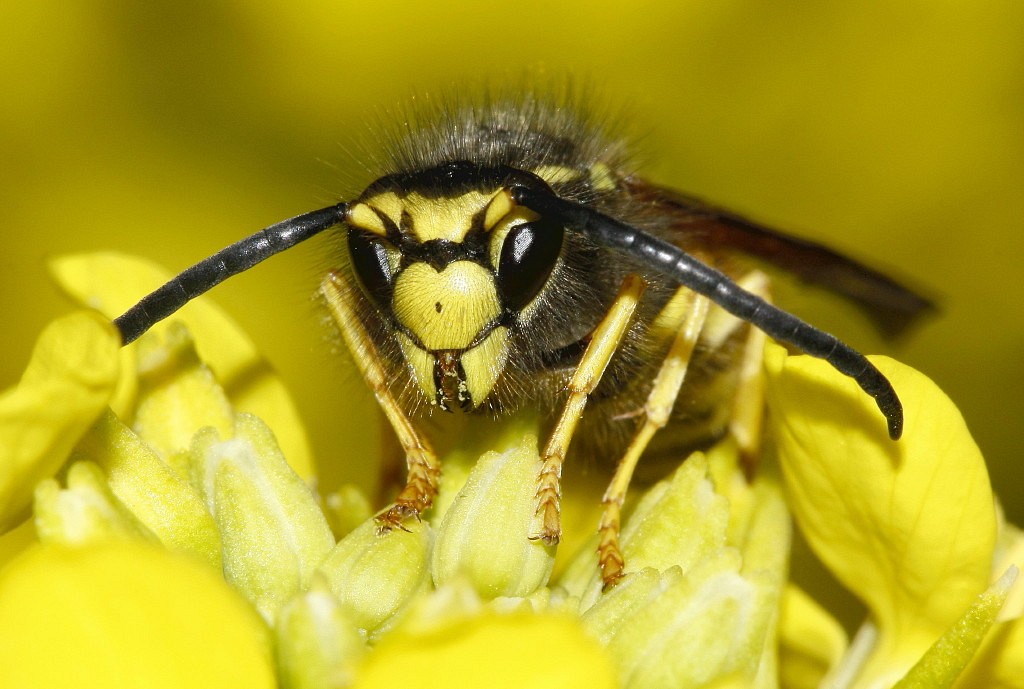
{"points": [[891, 306]]}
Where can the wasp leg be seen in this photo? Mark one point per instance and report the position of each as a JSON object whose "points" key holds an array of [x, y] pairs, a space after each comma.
{"points": [[745, 418], [657, 411], [748, 405], [424, 469], [604, 343], [712, 328]]}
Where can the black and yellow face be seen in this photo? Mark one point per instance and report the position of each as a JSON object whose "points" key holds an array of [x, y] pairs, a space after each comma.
{"points": [[452, 263]]}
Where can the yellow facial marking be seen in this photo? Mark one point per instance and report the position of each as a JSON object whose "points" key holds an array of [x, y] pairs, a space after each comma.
{"points": [[445, 310], [484, 363], [422, 365], [447, 217], [444, 218], [500, 206], [365, 218], [390, 204]]}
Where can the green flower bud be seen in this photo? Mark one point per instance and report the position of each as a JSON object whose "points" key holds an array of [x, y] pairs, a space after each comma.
{"points": [[178, 395], [697, 589], [484, 535], [272, 530], [85, 512], [317, 645], [375, 576], [157, 495]]}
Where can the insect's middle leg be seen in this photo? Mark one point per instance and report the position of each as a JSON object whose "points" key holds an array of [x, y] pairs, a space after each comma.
{"points": [[603, 344], [712, 328], [656, 413], [424, 469]]}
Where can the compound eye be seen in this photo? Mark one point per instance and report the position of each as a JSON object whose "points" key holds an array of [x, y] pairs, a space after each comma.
{"points": [[528, 255], [370, 260]]}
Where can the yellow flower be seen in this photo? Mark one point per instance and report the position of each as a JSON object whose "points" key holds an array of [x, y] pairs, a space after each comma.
{"points": [[66, 386], [909, 527], [173, 544]]}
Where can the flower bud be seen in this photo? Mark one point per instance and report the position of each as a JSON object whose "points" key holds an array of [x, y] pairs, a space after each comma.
{"points": [[158, 496], [178, 395], [376, 575], [84, 512], [484, 535], [272, 530], [317, 645], [696, 588]]}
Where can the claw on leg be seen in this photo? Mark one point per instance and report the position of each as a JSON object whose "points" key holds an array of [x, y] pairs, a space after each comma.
{"points": [[423, 467], [604, 342]]}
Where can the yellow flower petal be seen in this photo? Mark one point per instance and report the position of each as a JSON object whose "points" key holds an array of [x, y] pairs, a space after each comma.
{"points": [[810, 640], [908, 526], [1010, 553], [999, 664], [17, 541], [113, 282], [943, 662], [490, 650], [1000, 661], [67, 384], [126, 615]]}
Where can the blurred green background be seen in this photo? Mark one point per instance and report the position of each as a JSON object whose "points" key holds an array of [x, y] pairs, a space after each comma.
{"points": [[893, 131]]}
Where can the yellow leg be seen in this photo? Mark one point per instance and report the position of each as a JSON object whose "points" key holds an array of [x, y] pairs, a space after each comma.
{"points": [[748, 403], [603, 345], [424, 469], [748, 408], [657, 411]]}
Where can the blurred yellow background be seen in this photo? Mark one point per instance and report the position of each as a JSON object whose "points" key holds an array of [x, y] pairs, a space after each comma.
{"points": [[892, 131]]}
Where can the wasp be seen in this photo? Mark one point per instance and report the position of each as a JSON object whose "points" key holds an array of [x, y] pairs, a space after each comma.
{"points": [[507, 258]]}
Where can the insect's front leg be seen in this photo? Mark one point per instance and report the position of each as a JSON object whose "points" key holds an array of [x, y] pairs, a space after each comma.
{"points": [[604, 343], [424, 469]]}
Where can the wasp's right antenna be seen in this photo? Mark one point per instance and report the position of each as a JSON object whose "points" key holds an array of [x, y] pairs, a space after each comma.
{"points": [[232, 260]]}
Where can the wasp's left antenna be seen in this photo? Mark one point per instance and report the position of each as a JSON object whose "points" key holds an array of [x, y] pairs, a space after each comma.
{"points": [[675, 263], [232, 260]]}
